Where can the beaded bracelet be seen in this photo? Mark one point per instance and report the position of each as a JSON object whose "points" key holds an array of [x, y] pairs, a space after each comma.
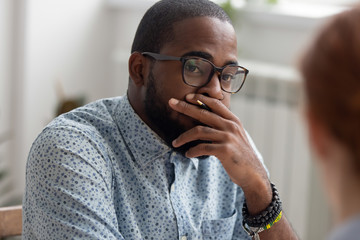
{"points": [[253, 225]]}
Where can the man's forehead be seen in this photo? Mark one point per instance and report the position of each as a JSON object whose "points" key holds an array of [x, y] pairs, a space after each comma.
{"points": [[205, 36], [203, 30]]}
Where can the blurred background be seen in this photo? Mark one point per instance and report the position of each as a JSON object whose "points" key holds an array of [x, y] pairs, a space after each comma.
{"points": [[59, 54]]}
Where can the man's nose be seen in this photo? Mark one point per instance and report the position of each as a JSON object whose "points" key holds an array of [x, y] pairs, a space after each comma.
{"points": [[213, 88]]}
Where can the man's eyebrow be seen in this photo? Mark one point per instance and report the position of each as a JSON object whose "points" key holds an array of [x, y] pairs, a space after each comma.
{"points": [[206, 56], [198, 54]]}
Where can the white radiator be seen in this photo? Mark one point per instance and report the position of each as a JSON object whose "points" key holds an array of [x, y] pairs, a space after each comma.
{"points": [[268, 108]]}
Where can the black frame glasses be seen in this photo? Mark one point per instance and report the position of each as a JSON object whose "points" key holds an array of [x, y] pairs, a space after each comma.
{"points": [[229, 74]]}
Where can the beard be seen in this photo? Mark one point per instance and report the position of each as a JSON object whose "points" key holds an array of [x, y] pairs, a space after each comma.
{"points": [[159, 114]]}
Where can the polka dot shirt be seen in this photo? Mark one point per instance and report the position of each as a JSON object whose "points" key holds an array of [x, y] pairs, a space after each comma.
{"points": [[99, 172]]}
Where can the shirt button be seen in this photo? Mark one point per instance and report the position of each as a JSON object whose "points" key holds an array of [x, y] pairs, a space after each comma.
{"points": [[172, 188], [183, 238]]}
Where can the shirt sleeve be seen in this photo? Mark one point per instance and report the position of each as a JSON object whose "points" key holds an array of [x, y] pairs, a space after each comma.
{"points": [[258, 154], [68, 191]]}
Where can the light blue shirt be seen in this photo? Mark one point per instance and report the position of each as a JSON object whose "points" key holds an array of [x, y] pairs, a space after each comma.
{"points": [[99, 172]]}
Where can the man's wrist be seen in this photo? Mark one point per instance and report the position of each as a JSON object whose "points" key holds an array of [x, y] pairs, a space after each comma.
{"points": [[258, 195], [254, 224]]}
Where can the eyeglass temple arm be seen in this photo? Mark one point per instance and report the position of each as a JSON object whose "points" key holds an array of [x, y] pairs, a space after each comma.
{"points": [[161, 57]]}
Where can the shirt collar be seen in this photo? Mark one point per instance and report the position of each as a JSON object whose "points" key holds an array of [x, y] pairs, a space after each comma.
{"points": [[195, 161], [144, 143]]}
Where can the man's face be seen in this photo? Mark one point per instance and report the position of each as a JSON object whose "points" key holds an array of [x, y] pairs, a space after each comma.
{"points": [[205, 37]]}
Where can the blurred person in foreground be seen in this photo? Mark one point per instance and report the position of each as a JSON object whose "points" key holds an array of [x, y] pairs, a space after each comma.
{"points": [[331, 69], [155, 164]]}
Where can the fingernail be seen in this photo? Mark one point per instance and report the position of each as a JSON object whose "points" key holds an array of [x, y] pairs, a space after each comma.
{"points": [[190, 95], [173, 101]]}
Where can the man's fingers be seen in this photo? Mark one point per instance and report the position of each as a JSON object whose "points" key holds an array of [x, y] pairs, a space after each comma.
{"points": [[191, 110], [202, 149], [215, 105], [198, 133]]}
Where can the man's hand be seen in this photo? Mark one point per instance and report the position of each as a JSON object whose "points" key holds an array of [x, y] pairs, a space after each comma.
{"points": [[227, 140]]}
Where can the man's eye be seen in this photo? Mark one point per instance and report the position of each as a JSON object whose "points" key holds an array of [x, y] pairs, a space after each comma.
{"points": [[192, 68], [227, 77]]}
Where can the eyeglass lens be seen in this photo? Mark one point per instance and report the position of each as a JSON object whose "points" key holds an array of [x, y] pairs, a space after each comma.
{"points": [[197, 72]]}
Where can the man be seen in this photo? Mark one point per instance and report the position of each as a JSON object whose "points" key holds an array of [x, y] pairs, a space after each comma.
{"points": [[154, 164]]}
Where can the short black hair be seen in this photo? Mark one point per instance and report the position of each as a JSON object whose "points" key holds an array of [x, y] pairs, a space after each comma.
{"points": [[156, 26]]}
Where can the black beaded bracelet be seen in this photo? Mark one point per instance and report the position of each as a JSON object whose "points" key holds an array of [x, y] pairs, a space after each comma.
{"points": [[267, 216]]}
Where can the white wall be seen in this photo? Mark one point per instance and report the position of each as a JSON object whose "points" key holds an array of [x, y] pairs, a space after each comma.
{"points": [[5, 94], [277, 34], [126, 16], [5, 60], [59, 41]]}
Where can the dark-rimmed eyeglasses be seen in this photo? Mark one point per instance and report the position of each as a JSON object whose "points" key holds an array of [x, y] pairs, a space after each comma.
{"points": [[197, 72]]}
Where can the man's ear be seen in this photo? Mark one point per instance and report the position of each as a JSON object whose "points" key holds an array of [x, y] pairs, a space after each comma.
{"points": [[137, 63]]}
